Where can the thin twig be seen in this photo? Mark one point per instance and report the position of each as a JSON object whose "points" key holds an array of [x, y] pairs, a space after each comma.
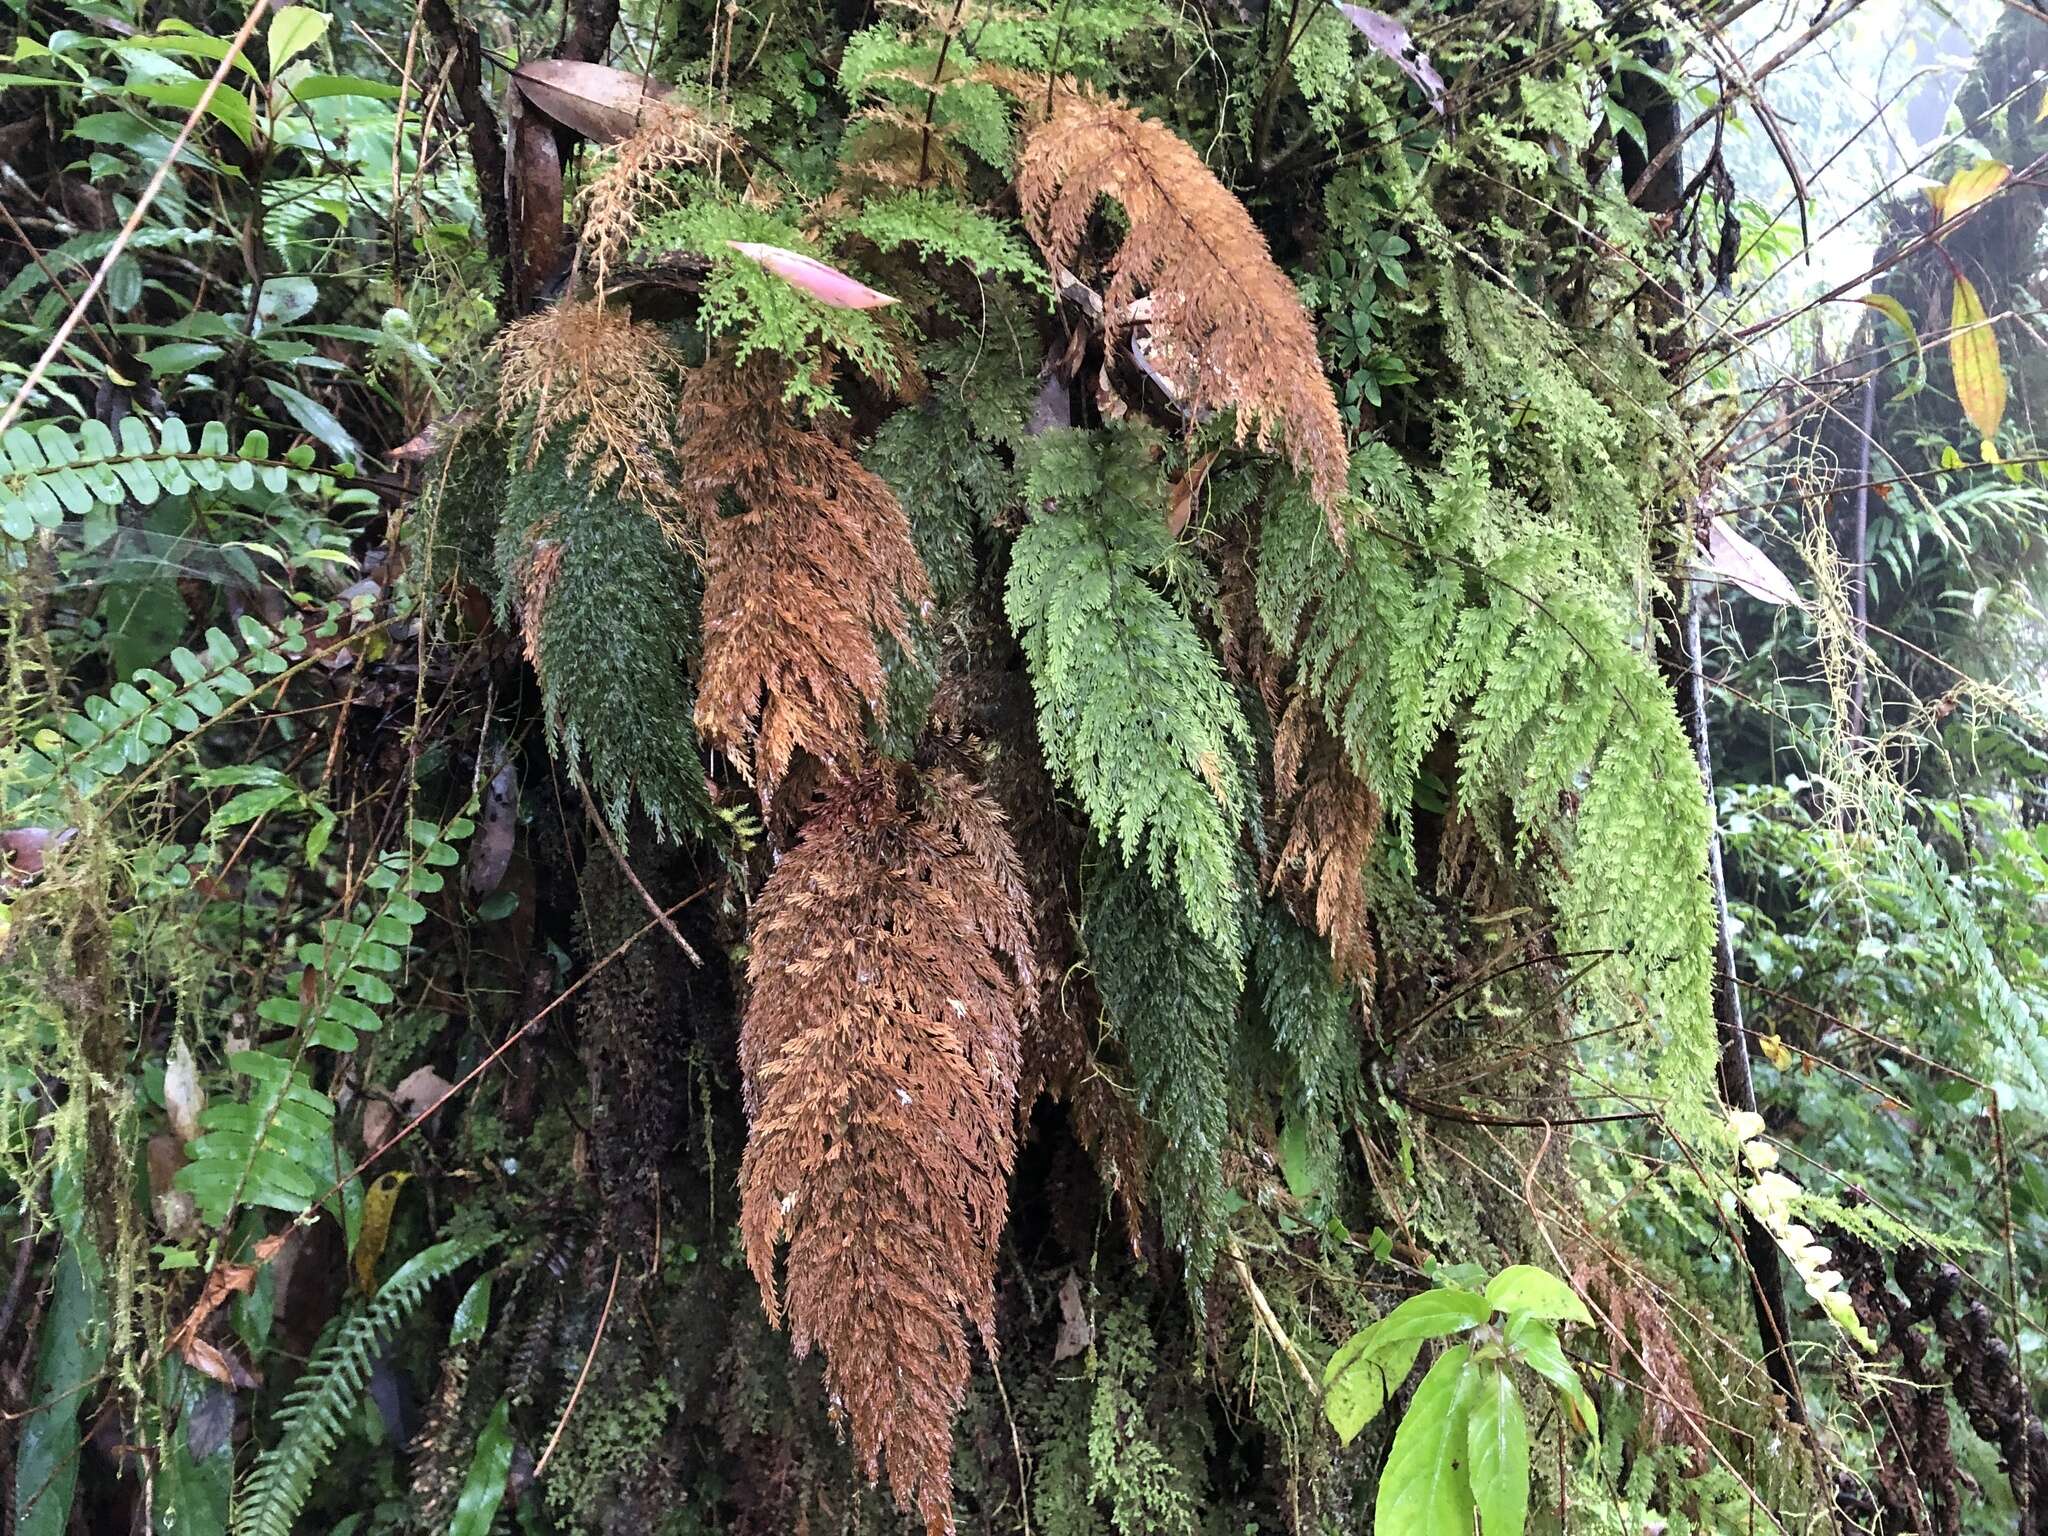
{"points": [[646, 896], [584, 1374], [1263, 1311]]}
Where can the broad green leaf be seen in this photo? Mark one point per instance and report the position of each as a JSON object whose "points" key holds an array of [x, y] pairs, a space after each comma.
{"points": [[1895, 312], [472, 1313], [1499, 1466], [1536, 1292], [1431, 1315], [317, 420], [484, 1488], [1357, 1385], [1424, 1489], [74, 1347], [1534, 1343], [1973, 356], [292, 31], [230, 107]]}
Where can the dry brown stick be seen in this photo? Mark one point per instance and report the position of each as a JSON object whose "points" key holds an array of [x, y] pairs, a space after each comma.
{"points": [[646, 896], [584, 1374], [1263, 1311]]}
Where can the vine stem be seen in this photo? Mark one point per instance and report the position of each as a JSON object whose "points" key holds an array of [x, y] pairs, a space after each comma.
{"points": [[142, 205], [583, 1375]]}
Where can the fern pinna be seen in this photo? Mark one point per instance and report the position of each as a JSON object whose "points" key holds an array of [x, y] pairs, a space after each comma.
{"points": [[890, 975]]}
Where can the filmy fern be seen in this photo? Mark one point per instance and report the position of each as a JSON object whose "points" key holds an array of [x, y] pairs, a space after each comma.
{"points": [[317, 1408], [1133, 709], [609, 611], [46, 472]]}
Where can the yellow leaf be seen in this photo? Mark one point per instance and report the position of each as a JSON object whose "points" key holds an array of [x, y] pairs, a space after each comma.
{"points": [[1973, 357], [376, 1229], [1967, 188], [2042, 111], [1775, 1050]]}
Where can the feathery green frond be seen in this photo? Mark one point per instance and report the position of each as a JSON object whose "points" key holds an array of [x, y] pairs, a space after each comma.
{"points": [[1170, 1000], [1133, 708]]}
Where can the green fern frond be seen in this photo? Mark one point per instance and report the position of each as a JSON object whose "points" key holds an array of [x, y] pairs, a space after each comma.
{"points": [[46, 472], [1465, 613], [758, 309], [274, 1149], [617, 635], [1170, 1001], [1133, 708], [316, 1410], [129, 726], [937, 225]]}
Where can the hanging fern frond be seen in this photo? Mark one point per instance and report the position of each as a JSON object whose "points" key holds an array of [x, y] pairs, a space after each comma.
{"points": [[608, 608], [1486, 622], [890, 968], [1227, 328], [47, 473], [1133, 708], [807, 558], [1170, 1000], [317, 1409]]}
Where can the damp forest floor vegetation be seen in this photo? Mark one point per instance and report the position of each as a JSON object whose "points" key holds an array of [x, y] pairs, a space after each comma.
{"points": [[1064, 767]]}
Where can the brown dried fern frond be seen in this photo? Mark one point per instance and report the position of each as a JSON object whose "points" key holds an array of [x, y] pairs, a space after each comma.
{"points": [[671, 137], [1332, 820], [1227, 328], [889, 974], [807, 558], [603, 378]]}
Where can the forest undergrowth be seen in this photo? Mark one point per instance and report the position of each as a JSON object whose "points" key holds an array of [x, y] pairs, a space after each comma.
{"points": [[1160, 767]]}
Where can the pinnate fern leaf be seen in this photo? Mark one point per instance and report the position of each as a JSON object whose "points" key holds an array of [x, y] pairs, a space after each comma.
{"points": [[1133, 708], [316, 1410]]}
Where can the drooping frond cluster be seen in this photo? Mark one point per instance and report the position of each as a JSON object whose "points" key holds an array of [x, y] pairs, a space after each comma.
{"points": [[1133, 709], [672, 137], [606, 380], [606, 611], [1500, 634], [1227, 328], [807, 557], [889, 974]]}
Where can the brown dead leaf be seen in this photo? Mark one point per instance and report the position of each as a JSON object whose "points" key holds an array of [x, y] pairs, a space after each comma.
{"points": [[1077, 1333], [594, 100], [1187, 491], [222, 1365]]}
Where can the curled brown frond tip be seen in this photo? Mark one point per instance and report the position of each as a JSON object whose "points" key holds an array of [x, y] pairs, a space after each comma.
{"points": [[880, 1050], [604, 379], [1227, 330], [672, 137]]}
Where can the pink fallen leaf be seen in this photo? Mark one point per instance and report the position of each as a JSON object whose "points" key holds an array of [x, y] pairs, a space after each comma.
{"points": [[1391, 39], [828, 285], [1728, 556]]}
